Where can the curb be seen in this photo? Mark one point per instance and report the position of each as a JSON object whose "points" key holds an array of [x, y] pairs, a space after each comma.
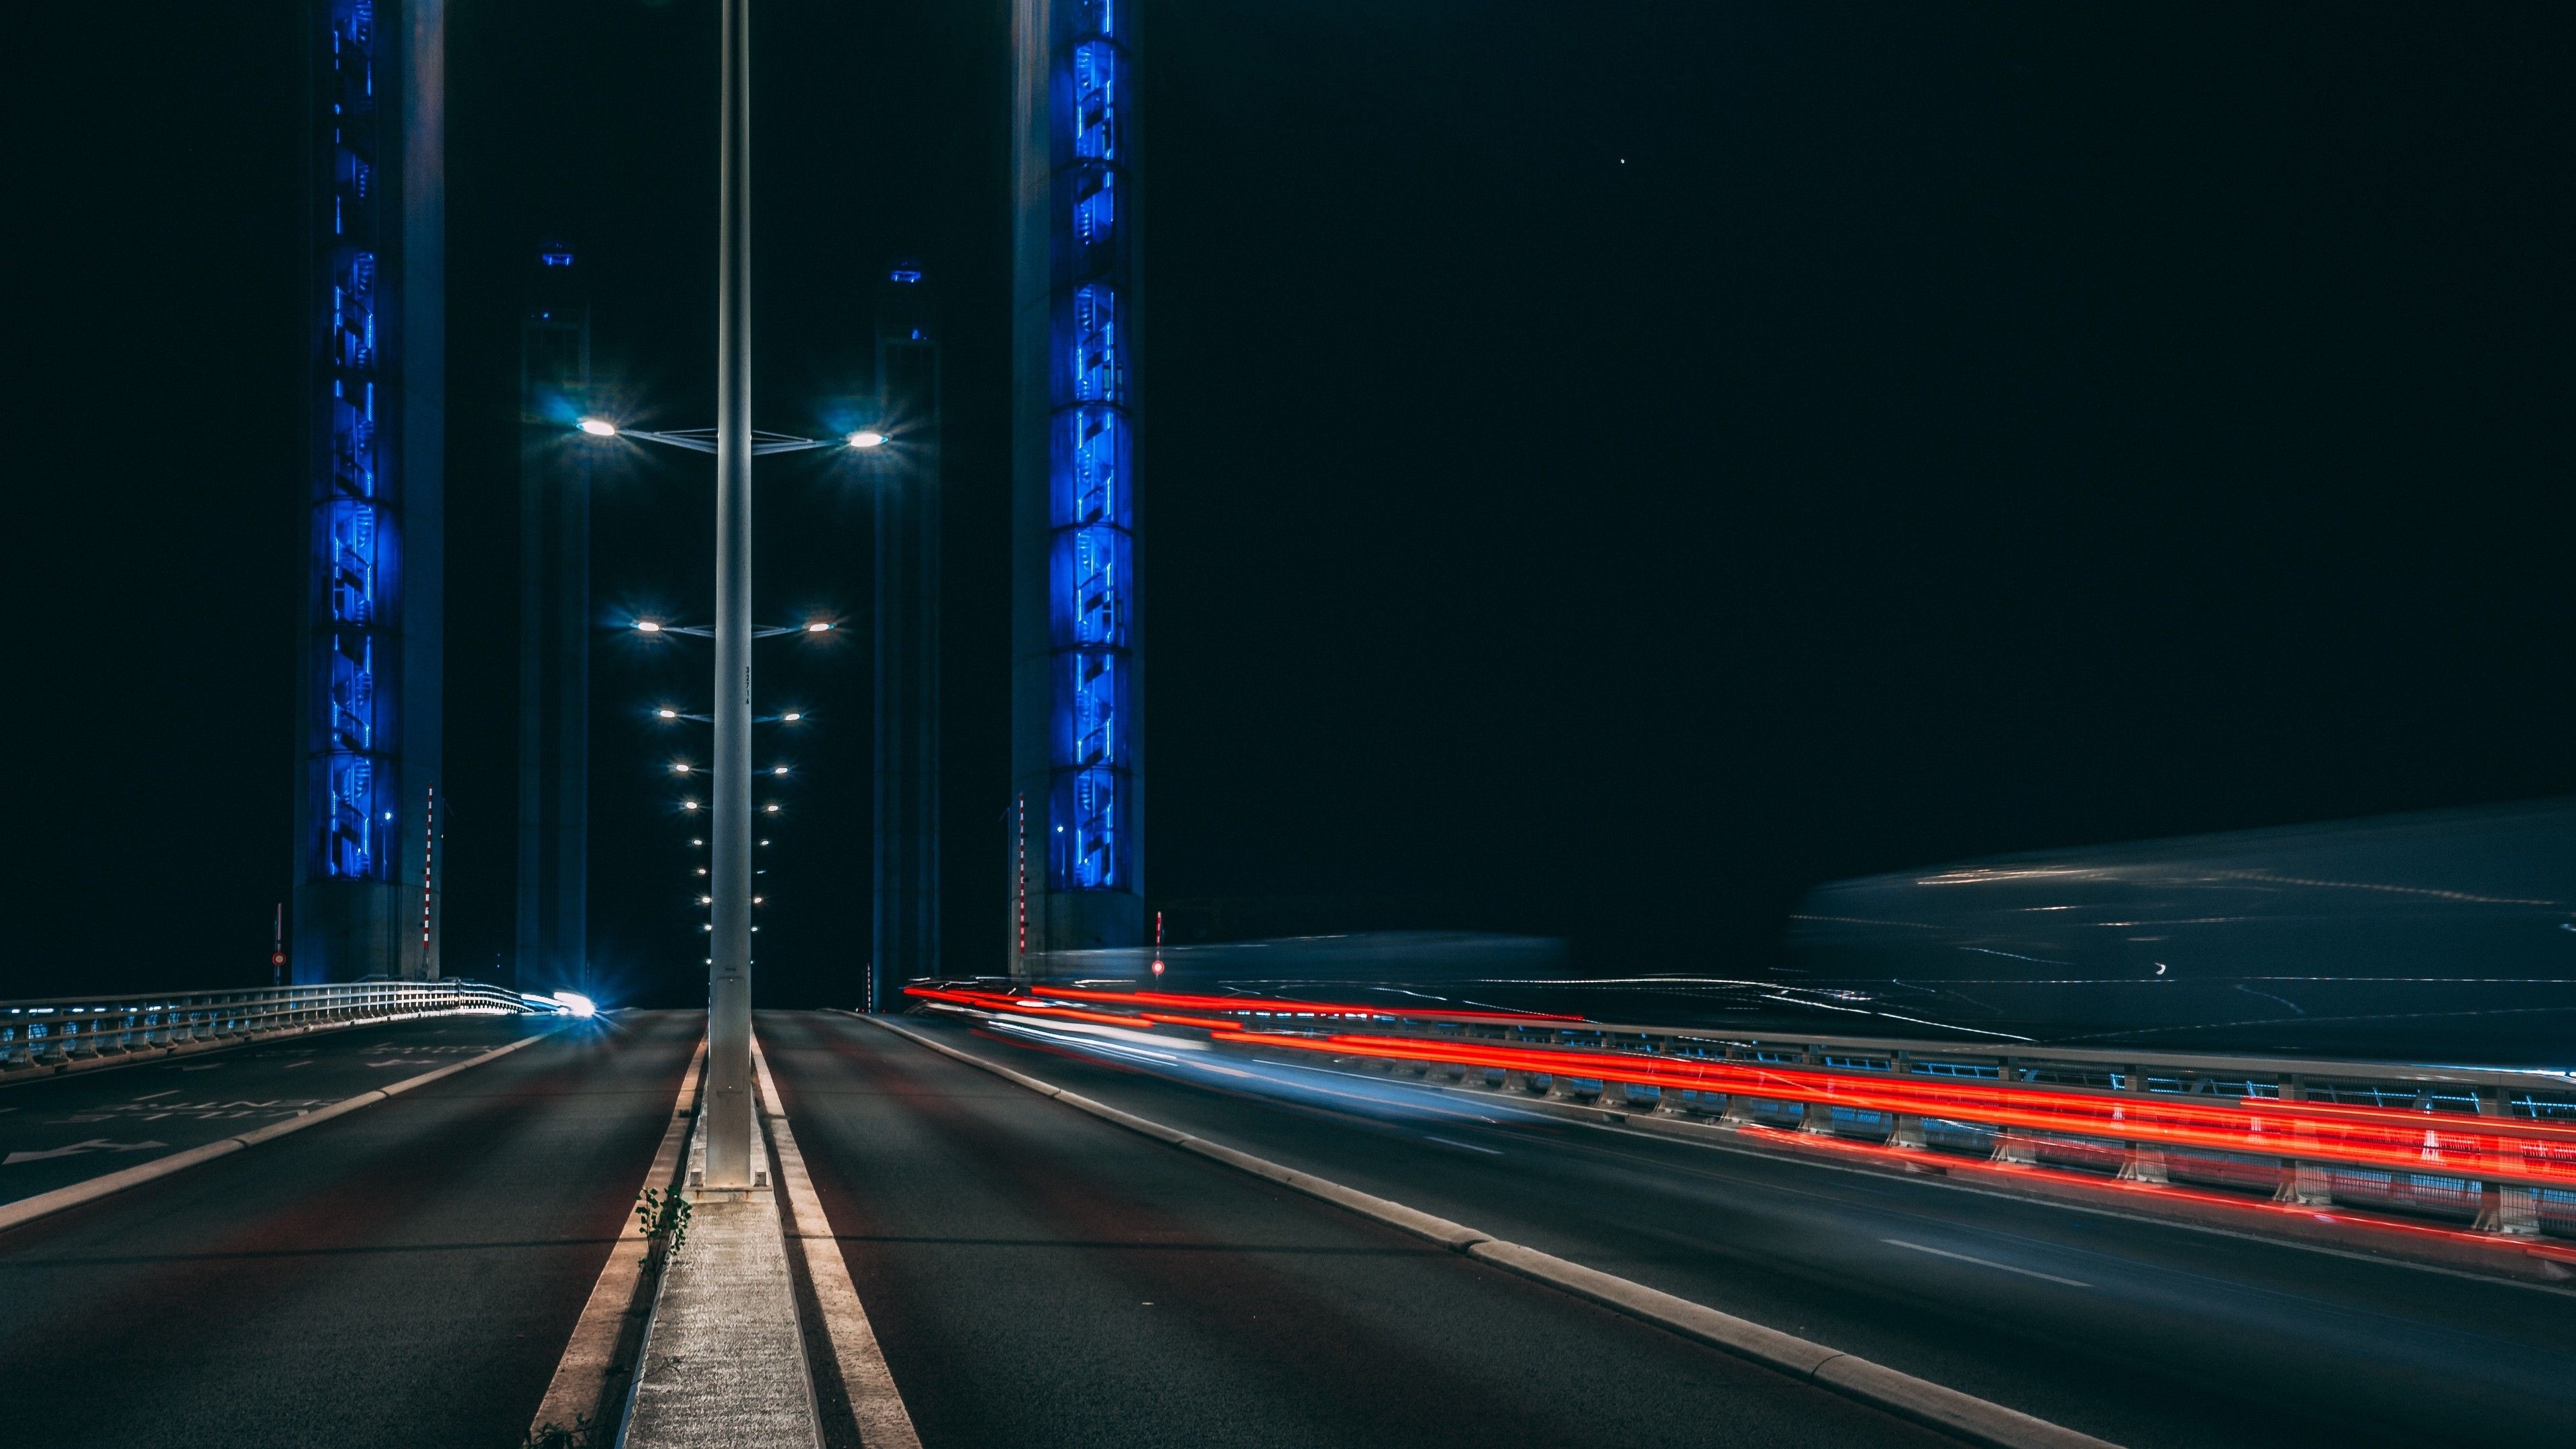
{"points": [[45, 1204], [1965, 1416]]}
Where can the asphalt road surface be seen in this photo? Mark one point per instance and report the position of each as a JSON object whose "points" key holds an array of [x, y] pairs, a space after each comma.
{"points": [[58, 1130], [1040, 1278], [2153, 1336], [407, 1274]]}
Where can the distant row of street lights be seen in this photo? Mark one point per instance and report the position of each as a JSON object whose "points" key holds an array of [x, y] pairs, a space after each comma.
{"points": [[730, 815], [691, 807]]}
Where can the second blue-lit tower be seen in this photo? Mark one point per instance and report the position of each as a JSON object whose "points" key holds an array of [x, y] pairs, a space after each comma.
{"points": [[1077, 696]]}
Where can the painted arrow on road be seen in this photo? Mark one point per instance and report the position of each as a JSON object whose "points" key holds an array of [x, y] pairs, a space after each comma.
{"points": [[95, 1144]]}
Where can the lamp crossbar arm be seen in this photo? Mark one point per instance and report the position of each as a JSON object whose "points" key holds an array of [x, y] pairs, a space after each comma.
{"points": [[703, 440]]}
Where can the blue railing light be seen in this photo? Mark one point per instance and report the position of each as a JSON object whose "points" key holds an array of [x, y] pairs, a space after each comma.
{"points": [[906, 275]]}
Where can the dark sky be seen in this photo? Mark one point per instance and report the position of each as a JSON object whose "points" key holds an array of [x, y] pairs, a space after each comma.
{"points": [[1606, 467]]}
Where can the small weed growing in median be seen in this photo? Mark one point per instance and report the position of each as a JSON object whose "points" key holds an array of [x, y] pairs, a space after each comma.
{"points": [[582, 1435], [665, 1216]]}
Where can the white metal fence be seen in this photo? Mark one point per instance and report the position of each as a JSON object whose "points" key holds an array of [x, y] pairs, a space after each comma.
{"points": [[73, 1029]]}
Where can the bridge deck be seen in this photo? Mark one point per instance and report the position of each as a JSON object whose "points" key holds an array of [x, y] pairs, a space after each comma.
{"points": [[2144, 1333]]}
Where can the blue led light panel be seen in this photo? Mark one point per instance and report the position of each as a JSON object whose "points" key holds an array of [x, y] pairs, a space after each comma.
{"points": [[1091, 557], [352, 533]]}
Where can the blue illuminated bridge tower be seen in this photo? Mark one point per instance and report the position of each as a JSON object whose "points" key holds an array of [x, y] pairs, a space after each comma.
{"points": [[1076, 814], [367, 693]]}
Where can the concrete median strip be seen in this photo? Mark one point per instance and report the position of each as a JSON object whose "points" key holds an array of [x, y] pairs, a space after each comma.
{"points": [[45, 1204], [726, 1362], [1964, 1416]]}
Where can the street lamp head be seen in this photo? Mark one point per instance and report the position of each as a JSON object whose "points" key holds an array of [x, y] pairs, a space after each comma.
{"points": [[772, 809], [779, 770], [867, 438], [666, 714], [819, 626], [792, 716], [679, 769], [599, 428], [688, 804], [648, 626]]}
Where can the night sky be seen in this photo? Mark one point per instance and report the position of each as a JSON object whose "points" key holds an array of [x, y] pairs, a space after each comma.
{"points": [[1605, 468]]}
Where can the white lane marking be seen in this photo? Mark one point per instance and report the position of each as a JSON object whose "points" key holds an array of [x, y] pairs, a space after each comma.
{"points": [[1470, 1146], [148, 1096], [875, 1404], [95, 1144], [208, 1067], [1984, 1262]]}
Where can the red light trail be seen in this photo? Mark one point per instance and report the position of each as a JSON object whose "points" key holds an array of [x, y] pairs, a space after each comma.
{"points": [[2500, 1149]]}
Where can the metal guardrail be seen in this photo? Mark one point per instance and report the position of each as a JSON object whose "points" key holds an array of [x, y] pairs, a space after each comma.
{"points": [[2492, 1149], [72, 1029], [2489, 1148]]}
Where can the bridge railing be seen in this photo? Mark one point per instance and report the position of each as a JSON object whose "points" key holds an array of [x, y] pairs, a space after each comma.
{"points": [[74, 1029], [2491, 1149]]}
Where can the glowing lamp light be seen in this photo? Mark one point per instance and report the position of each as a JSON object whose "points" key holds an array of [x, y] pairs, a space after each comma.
{"points": [[581, 1007], [781, 770], [772, 809], [648, 626], [818, 627], [666, 714], [791, 716], [867, 438], [688, 804], [598, 428]]}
